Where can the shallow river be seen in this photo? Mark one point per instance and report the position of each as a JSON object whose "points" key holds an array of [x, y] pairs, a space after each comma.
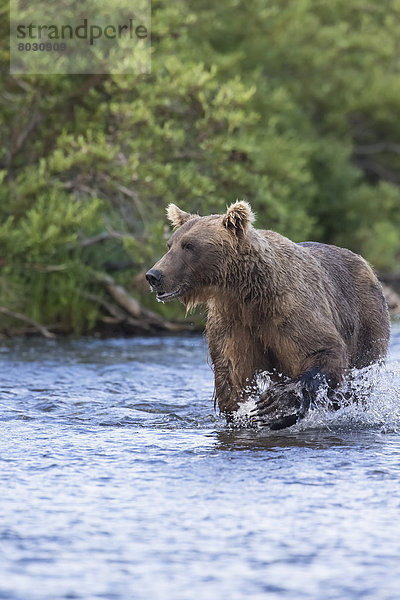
{"points": [[118, 481]]}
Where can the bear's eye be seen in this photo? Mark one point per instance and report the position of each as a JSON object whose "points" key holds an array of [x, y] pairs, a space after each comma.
{"points": [[187, 246]]}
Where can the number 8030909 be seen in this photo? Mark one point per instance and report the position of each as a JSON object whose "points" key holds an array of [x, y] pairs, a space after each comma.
{"points": [[42, 47]]}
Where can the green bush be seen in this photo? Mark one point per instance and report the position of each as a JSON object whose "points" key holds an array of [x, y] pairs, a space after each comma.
{"points": [[292, 105]]}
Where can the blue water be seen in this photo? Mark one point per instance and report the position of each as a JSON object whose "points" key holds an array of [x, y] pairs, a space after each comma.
{"points": [[119, 481]]}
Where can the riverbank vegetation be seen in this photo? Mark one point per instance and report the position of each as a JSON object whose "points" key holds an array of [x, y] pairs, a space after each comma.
{"points": [[291, 105]]}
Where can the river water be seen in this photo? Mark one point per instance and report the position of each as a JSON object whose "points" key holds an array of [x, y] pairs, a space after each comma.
{"points": [[118, 481]]}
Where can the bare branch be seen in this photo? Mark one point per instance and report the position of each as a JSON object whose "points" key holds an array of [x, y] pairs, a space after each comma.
{"points": [[121, 296], [113, 309], [138, 315], [377, 148], [17, 144], [43, 330], [101, 237], [374, 168], [130, 194]]}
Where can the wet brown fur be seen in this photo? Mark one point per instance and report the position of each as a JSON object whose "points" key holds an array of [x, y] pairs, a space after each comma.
{"points": [[273, 305]]}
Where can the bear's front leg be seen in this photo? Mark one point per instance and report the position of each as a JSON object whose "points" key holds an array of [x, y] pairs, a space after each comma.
{"points": [[283, 404]]}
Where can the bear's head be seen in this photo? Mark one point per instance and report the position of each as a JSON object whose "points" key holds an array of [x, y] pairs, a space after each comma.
{"points": [[200, 253]]}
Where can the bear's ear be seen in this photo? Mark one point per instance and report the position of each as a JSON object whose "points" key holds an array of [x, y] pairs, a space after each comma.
{"points": [[177, 216], [238, 217]]}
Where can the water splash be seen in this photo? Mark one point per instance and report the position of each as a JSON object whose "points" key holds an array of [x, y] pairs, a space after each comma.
{"points": [[369, 399]]}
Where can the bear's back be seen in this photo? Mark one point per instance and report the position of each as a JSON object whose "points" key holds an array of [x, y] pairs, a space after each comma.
{"points": [[357, 297]]}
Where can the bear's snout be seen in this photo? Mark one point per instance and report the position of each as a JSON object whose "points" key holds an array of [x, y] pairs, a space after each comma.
{"points": [[154, 277]]}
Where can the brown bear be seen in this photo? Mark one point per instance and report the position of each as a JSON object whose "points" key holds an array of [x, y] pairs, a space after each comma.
{"points": [[304, 312]]}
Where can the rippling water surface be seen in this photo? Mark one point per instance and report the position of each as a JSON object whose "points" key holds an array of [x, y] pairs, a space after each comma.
{"points": [[119, 481]]}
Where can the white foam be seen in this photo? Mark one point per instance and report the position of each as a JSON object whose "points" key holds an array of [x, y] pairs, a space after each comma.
{"points": [[375, 391]]}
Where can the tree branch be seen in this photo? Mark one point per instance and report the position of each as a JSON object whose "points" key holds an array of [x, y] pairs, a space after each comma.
{"points": [[136, 313], [377, 148], [104, 236], [43, 330], [17, 144], [374, 168]]}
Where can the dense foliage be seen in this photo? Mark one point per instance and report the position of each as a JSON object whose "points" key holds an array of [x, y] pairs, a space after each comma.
{"points": [[292, 105]]}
